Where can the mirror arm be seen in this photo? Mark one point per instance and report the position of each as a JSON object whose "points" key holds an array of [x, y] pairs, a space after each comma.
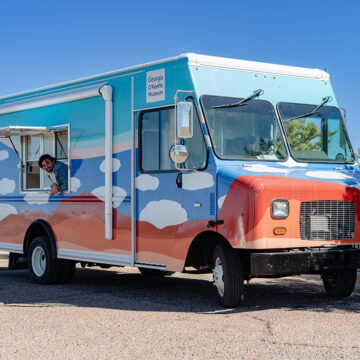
{"points": [[190, 92]]}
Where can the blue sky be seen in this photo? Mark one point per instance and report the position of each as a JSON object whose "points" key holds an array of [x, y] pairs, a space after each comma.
{"points": [[47, 42]]}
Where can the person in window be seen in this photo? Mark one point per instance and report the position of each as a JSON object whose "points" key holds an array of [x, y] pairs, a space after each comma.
{"points": [[57, 173]]}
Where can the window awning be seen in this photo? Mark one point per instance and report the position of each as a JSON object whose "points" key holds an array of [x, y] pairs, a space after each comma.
{"points": [[9, 131]]}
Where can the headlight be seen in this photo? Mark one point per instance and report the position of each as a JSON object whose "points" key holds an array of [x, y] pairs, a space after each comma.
{"points": [[280, 209]]}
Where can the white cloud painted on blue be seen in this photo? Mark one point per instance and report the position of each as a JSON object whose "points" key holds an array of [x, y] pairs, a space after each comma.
{"points": [[75, 184], [197, 181], [119, 194], [163, 213], [146, 182], [115, 165], [7, 186], [37, 199]]}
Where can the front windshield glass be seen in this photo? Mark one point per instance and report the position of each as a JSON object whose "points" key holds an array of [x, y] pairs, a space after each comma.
{"points": [[249, 131], [320, 136]]}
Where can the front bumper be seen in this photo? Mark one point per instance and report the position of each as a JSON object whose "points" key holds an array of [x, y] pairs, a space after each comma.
{"points": [[314, 261]]}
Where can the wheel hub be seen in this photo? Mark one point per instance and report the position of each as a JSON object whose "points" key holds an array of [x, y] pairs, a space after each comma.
{"points": [[38, 261], [218, 274]]}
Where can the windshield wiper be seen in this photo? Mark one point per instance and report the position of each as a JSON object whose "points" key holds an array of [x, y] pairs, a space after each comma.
{"points": [[241, 102], [314, 111]]}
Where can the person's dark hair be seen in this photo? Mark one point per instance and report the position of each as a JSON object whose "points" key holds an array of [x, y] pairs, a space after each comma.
{"points": [[44, 157]]}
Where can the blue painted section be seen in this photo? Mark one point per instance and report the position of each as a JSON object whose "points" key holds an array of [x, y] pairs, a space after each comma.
{"points": [[86, 119]]}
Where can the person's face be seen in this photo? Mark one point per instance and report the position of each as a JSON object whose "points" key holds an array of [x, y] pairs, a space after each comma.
{"points": [[48, 165]]}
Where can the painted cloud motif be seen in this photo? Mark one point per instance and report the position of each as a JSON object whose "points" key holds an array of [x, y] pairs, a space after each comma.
{"points": [[328, 175], [118, 194], [292, 163], [6, 210], [4, 154], [37, 199], [7, 186], [146, 182], [115, 165], [197, 181], [75, 184], [221, 201], [265, 169], [163, 213]]}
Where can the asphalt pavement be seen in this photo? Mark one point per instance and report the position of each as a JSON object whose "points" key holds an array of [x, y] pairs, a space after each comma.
{"points": [[119, 314]]}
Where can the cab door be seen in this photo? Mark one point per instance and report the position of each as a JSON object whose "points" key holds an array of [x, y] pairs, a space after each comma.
{"points": [[169, 200], [159, 200]]}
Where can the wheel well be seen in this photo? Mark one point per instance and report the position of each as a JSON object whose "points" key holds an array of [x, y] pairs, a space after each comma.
{"points": [[40, 228], [201, 249]]}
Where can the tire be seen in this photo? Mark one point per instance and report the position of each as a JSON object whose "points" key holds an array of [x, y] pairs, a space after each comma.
{"points": [[228, 276], [154, 272], [66, 271], [42, 267], [340, 283]]}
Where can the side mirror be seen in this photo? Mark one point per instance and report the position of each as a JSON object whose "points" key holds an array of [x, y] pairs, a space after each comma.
{"points": [[184, 119], [178, 154]]}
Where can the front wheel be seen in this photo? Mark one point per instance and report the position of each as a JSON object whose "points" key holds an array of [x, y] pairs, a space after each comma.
{"points": [[340, 283], [228, 275], [42, 267]]}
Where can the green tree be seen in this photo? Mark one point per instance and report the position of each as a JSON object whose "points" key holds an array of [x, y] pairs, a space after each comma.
{"points": [[305, 135]]}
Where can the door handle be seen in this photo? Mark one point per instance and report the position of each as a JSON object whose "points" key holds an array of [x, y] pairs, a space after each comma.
{"points": [[179, 180]]}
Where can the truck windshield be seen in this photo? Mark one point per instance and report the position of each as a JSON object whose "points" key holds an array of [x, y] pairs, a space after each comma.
{"points": [[318, 136], [248, 132]]}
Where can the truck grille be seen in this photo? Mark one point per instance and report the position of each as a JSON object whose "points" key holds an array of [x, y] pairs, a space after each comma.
{"points": [[327, 220]]}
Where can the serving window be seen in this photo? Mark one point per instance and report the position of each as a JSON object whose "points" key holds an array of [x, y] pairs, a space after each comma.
{"points": [[35, 141], [54, 143]]}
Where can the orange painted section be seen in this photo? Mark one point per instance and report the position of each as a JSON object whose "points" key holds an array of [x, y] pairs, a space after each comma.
{"points": [[246, 210]]}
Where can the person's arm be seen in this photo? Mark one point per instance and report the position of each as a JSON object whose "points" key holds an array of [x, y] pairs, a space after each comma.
{"points": [[54, 189], [62, 177]]}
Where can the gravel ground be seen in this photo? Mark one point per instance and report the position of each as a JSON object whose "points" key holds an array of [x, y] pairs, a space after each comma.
{"points": [[119, 314]]}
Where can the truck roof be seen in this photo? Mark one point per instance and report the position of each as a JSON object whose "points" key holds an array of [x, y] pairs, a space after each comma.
{"points": [[208, 61], [254, 66]]}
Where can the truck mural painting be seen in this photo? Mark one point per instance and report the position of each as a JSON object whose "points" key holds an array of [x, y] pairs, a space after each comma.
{"points": [[239, 168]]}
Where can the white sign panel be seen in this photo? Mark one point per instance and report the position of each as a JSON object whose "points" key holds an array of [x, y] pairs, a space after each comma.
{"points": [[155, 85]]}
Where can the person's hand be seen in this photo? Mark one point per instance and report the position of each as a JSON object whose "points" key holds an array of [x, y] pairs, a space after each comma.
{"points": [[54, 190]]}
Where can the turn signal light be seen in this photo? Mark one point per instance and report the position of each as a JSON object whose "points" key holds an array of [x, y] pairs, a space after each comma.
{"points": [[280, 230]]}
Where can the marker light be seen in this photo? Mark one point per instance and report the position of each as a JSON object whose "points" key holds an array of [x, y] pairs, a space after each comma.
{"points": [[280, 209], [280, 230]]}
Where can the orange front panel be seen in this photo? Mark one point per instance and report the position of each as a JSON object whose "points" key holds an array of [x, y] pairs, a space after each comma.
{"points": [[247, 210]]}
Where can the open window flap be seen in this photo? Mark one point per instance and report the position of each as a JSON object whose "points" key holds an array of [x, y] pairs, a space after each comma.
{"points": [[58, 128], [9, 131]]}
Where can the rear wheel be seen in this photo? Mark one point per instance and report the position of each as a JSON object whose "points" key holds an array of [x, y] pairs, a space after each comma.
{"points": [[228, 275], [339, 283], [43, 268]]}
